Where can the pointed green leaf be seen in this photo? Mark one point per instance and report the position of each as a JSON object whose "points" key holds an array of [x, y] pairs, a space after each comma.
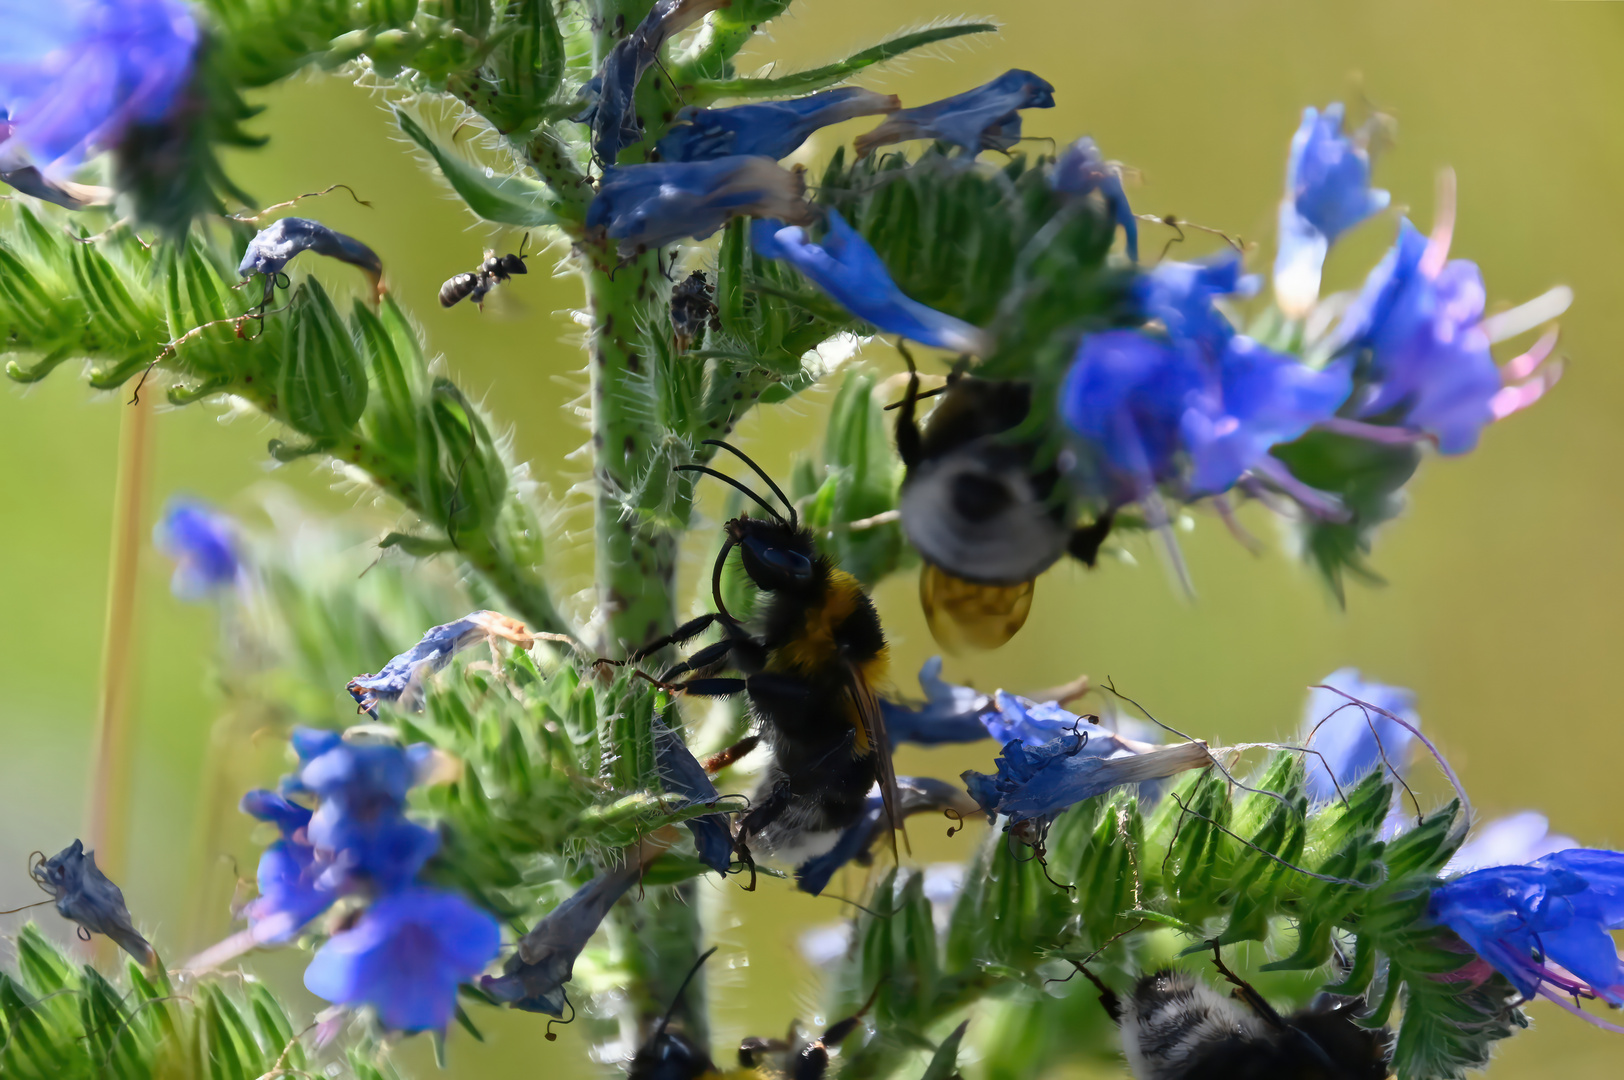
{"points": [[511, 200]]}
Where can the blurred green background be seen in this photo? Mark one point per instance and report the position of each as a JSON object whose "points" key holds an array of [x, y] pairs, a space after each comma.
{"points": [[1502, 608]]}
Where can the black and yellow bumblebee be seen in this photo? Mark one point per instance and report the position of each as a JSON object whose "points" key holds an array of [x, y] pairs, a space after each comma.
{"points": [[1177, 1027], [810, 677], [671, 1055], [984, 514]]}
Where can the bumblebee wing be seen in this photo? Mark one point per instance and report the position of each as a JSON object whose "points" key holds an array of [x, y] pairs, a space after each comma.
{"points": [[962, 614], [871, 727]]}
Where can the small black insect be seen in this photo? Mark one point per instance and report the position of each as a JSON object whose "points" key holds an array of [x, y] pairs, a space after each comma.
{"points": [[491, 273], [693, 307], [1177, 1027]]}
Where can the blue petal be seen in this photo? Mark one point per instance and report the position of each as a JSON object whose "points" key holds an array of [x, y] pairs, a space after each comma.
{"points": [[203, 544], [951, 714], [848, 269], [1083, 170], [814, 874], [1328, 175], [400, 683], [986, 118], [682, 774], [533, 978], [1350, 743], [1040, 781], [773, 129], [648, 206]]}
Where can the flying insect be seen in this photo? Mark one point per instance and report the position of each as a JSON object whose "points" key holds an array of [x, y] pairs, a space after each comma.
{"points": [[672, 1055], [985, 516], [489, 274], [1177, 1027], [810, 678]]}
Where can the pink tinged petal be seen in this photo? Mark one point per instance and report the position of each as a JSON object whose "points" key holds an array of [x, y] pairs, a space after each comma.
{"points": [[1520, 367], [1514, 399], [1443, 227]]}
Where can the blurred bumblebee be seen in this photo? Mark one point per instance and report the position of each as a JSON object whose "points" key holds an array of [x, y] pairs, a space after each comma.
{"points": [[671, 1055], [986, 517], [810, 677], [490, 273], [1177, 1027]]}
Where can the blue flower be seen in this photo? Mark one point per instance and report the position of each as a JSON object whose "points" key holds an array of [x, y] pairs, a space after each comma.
{"points": [[986, 118], [1082, 170], [76, 76], [275, 245], [1037, 782], [1544, 926], [361, 820], [648, 206], [405, 958], [203, 543], [1419, 323], [533, 978], [1327, 193], [917, 794], [950, 714], [848, 269], [682, 774], [773, 129], [1507, 841], [290, 894], [85, 895], [400, 683], [1181, 296], [1351, 741]]}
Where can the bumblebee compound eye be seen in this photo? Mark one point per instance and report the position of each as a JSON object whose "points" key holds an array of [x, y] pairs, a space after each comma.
{"points": [[774, 566]]}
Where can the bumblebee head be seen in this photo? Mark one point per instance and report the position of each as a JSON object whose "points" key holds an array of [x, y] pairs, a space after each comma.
{"points": [[670, 1055], [778, 556]]}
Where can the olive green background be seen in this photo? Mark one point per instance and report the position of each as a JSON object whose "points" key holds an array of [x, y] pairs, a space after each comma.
{"points": [[1504, 577]]}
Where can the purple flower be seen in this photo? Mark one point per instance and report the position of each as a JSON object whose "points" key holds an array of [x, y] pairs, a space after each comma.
{"points": [[275, 245], [1544, 926], [1082, 170], [400, 683], [1419, 320], [1352, 741], [773, 129], [1507, 841], [1181, 297], [533, 978], [848, 269], [986, 118], [85, 895], [289, 871], [203, 543], [405, 958], [682, 774], [75, 76], [1149, 406], [950, 714], [648, 206], [1037, 782], [1327, 193]]}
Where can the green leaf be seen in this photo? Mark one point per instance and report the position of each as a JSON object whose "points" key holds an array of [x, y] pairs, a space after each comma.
{"points": [[511, 200], [944, 1064], [707, 91]]}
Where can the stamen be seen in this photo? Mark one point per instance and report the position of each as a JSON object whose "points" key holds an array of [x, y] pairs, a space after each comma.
{"points": [[1443, 226], [1524, 317]]}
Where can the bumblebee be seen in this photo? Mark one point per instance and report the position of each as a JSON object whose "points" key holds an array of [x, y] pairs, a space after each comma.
{"points": [[490, 273], [671, 1055], [985, 517], [1177, 1027], [810, 678]]}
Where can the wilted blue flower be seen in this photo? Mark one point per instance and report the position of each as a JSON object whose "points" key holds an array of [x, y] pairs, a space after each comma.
{"points": [[76, 75], [405, 957], [1419, 320], [1327, 193], [1036, 782], [1508, 841], [1544, 926], [289, 871], [1352, 741], [917, 794], [682, 774], [84, 895], [986, 118], [773, 129], [533, 978], [648, 206], [1148, 405], [273, 246], [1082, 170], [203, 543], [400, 683], [950, 714], [612, 113], [848, 269]]}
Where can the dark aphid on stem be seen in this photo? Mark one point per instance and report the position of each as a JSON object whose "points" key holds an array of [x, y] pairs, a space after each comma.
{"points": [[1177, 1027], [693, 308], [490, 273], [809, 675], [672, 1055], [985, 516]]}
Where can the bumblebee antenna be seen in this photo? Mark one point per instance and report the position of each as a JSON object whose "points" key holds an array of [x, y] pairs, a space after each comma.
{"points": [[759, 471], [677, 997], [726, 479], [716, 586]]}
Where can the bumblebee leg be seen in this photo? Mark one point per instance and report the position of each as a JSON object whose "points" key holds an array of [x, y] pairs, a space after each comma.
{"points": [[1108, 997], [811, 1063], [753, 1050], [709, 656], [1085, 542], [1244, 990], [690, 629], [722, 759], [907, 428], [766, 812], [713, 687]]}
